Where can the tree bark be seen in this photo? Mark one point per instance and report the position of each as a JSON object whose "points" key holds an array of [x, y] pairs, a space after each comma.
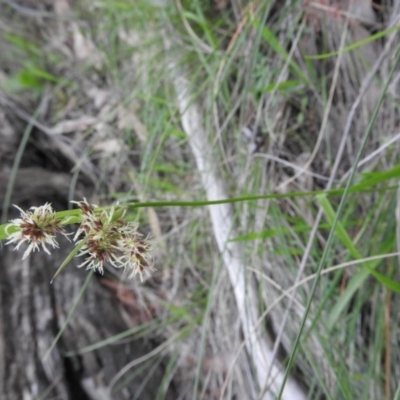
{"points": [[33, 312]]}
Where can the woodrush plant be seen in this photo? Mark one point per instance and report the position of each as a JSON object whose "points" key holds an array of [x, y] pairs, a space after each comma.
{"points": [[108, 238], [103, 236]]}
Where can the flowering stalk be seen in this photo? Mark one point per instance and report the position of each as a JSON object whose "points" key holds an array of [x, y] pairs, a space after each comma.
{"points": [[103, 237]]}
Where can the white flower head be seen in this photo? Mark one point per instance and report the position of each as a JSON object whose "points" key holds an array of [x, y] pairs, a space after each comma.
{"points": [[37, 227], [88, 217], [102, 232], [110, 239], [136, 255]]}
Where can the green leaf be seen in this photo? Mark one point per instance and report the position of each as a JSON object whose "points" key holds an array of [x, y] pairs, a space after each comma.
{"points": [[29, 81], [359, 278], [23, 44], [356, 45], [70, 256], [10, 230], [274, 43], [374, 178], [39, 73], [282, 86]]}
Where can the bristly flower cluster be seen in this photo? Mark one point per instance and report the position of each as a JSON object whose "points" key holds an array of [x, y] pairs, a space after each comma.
{"points": [[103, 237], [108, 238], [37, 227]]}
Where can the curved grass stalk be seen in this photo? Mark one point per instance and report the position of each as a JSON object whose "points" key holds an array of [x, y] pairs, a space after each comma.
{"points": [[336, 220]]}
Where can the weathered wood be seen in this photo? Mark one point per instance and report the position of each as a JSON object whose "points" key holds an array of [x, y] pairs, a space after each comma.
{"points": [[33, 311]]}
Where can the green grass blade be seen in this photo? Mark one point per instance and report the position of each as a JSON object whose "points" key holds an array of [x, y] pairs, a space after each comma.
{"points": [[274, 43], [70, 314], [70, 256], [359, 278], [356, 45], [340, 231], [339, 212], [16, 164]]}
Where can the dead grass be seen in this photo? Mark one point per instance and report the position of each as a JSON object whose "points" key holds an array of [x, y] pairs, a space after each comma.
{"points": [[278, 121]]}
